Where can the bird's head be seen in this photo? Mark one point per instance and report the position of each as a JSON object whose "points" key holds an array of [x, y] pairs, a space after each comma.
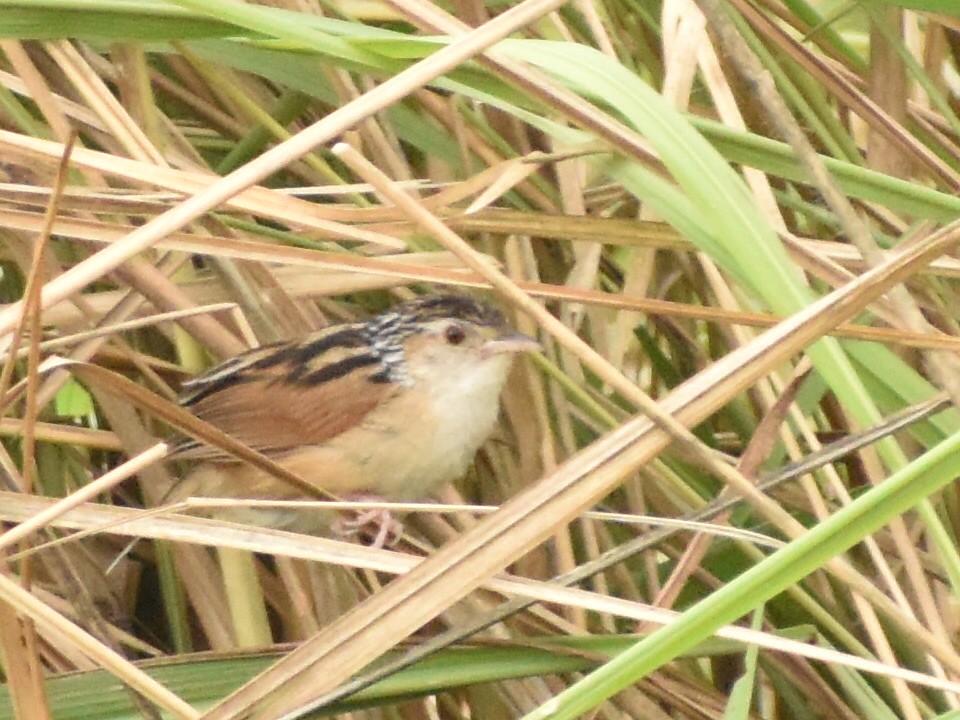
{"points": [[439, 336]]}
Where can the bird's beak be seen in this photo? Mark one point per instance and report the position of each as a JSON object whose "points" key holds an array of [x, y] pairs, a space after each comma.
{"points": [[514, 342]]}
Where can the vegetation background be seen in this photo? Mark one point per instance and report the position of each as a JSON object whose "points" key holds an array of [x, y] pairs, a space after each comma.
{"points": [[729, 216]]}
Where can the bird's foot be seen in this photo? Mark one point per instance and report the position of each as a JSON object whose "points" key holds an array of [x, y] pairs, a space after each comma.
{"points": [[378, 522]]}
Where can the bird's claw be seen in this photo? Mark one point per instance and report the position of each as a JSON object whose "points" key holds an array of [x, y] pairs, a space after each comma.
{"points": [[389, 530]]}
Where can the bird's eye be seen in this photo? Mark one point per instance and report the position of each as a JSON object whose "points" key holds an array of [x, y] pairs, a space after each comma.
{"points": [[454, 335]]}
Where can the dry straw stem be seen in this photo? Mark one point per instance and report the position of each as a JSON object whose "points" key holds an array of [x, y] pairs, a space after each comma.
{"points": [[132, 523], [29, 685], [382, 219], [298, 282], [47, 618], [31, 324], [349, 273], [257, 200], [339, 121], [498, 220], [728, 531], [364, 633], [427, 268], [87, 492], [225, 247], [53, 432], [130, 325]]}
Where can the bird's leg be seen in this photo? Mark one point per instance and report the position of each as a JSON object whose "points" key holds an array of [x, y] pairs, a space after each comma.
{"points": [[389, 530]]}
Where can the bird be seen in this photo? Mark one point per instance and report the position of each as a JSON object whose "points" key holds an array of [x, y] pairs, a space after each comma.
{"points": [[389, 408]]}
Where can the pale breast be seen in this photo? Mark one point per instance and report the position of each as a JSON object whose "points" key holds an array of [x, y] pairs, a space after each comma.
{"points": [[429, 435]]}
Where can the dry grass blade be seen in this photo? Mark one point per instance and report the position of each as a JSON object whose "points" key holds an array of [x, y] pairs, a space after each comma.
{"points": [[100, 232], [138, 524], [41, 613], [28, 686], [50, 432], [102, 485], [395, 267], [259, 201]]}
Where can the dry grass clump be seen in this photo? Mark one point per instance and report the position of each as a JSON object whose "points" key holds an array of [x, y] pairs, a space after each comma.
{"points": [[731, 224]]}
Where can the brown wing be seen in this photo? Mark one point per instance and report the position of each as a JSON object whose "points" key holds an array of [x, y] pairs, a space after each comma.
{"points": [[289, 395], [274, 417]]}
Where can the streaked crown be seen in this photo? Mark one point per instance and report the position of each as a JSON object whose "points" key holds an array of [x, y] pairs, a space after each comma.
{"points": [[438, 307]]}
